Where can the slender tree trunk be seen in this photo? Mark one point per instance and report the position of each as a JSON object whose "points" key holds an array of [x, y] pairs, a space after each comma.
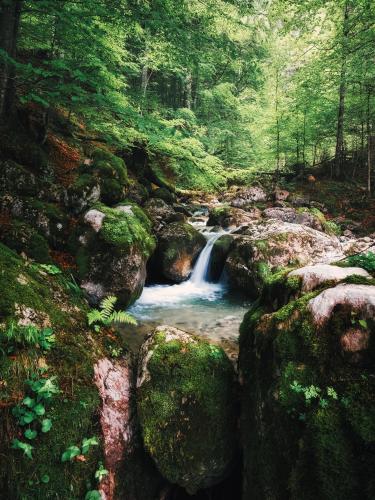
{"points": [[370, 146], [339, 156], [277, 173], [188, 90], [144, 80], [10, 13]]}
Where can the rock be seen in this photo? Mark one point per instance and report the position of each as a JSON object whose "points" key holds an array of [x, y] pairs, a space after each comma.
{"points": [[161, 214], [178, 246], [114, 382], [285, 214], [22, 238], [357, 298], [85, 191], [241, 197], [274, 244], [164, 194], [281, 194], [307, 373], [225, 216], [95, 219], [219, 254], [114, 251], [15, 179], [313, 277], [182, 382], [137, 193]]}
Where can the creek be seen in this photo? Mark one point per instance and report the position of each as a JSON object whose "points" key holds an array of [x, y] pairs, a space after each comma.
{"points": [[197, 306]]}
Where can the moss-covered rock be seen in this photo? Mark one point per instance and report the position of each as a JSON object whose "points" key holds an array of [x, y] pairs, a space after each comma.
{"points": [[161, 214], [113, 252], [219, 254], [164, 194], [16, 179], [111, 174], [187, 408], [22, 238], [178, 246], [307, 373], [226, 216]]}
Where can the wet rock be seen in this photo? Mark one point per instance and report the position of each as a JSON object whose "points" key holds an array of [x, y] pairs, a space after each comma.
{"points": [[219, 254], [273, 244], [313, 277], [179, 245], [182, 382]]}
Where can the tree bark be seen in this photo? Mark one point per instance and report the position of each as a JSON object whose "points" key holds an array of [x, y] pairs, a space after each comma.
{"points": [[10, 13], [339, 156], [188, 90]]}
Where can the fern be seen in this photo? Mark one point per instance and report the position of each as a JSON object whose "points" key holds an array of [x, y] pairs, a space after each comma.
{"points": [[106, 314]]}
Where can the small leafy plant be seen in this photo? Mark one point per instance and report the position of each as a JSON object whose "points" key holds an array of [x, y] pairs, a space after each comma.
{"points": [[106, 314], [74, 451], [15, 336], [366, 261], [31, 412]]}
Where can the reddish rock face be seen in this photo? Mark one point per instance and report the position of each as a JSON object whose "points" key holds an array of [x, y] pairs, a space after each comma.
{"points": [[113, 379], [355, 340]]}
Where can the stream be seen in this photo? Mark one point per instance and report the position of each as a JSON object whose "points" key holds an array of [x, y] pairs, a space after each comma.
{"points": [[196, 306]]}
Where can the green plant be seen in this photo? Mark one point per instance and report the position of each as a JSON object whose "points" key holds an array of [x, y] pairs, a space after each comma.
{"points": [[366, 261], [25, 447], [73, 451], [27, 336], [93, 495], [50, 269], [106, 314], [101, 472]]}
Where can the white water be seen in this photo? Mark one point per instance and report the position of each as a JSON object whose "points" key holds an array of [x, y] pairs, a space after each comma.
{"points": [[196, 287]]}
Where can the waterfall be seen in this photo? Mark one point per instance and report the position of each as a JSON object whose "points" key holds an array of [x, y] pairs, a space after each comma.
{"points": [[199, 274]]}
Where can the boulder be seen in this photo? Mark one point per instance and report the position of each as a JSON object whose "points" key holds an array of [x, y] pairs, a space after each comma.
{"points": [[161, 214], [308, 409], [219, 254], [114, 247], [241, 197], [184, 382], [179, 244], [264, 247], [16, 179], [287, 214], [164, 194], [313, 277], [226, 216]]}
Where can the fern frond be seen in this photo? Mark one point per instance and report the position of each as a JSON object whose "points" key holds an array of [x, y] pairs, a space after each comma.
{"points": [[121, 317], [94, 316], [107, 306]]}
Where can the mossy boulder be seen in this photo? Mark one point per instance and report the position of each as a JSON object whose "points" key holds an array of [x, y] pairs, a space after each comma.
{"points": [[187, 408], [219, 254], [16, 179], [226, 216], [161, 214], [113, 252], [164, 194], [268, 246], [179, 244], [22, 238], [111, 174], [308, 406], [84, 191]]}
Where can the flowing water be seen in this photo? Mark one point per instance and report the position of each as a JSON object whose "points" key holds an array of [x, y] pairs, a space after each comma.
{"points": [[197, 305]]}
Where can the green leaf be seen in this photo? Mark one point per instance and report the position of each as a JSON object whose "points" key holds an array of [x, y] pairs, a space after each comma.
{"points": [[93, 495], [46, 425], [39, 409], [363, 323], [70, 453], [29, 402], [30, 434], [45, 478], [27, 418], [87, 443], [25, 447]]}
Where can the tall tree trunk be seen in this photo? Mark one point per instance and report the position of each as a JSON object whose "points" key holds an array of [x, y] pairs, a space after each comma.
{"points": [[370, 146], [188, 90], [10, 13], [144, 80], [339, 156]]}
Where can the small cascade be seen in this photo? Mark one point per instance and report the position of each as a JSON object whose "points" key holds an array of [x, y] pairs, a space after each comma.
{"points": [[200, 271]]}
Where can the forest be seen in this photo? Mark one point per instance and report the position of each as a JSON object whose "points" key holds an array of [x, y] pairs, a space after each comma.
{"points": [[187, 249]]}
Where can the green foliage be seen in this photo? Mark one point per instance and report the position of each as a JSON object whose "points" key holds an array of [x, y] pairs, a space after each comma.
{"points": [[366, 261], [106, 314], [73, 451], [18, 336]]}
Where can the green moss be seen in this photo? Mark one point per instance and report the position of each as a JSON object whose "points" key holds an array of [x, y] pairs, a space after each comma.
{"points": [[190, 383], [127, 228], [22, 238]]}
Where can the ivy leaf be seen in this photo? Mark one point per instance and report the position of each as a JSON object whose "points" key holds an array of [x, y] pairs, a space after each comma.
{"points": [[45, 478], [29, 402], [93, 495], [39, 409], [30, 434], [70, 453], [46, 425], [27, 418]]}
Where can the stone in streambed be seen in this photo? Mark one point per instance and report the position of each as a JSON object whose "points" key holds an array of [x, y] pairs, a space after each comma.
{"points": [[179, 244], [187, 408]]}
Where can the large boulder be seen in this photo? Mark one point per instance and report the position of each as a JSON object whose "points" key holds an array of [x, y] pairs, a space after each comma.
{"points": [[113, 252], [226, 216], [219, 254], [308, 408], [187, 408], [274, 244], [243, 197], [161, 214], [179, 244]]}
